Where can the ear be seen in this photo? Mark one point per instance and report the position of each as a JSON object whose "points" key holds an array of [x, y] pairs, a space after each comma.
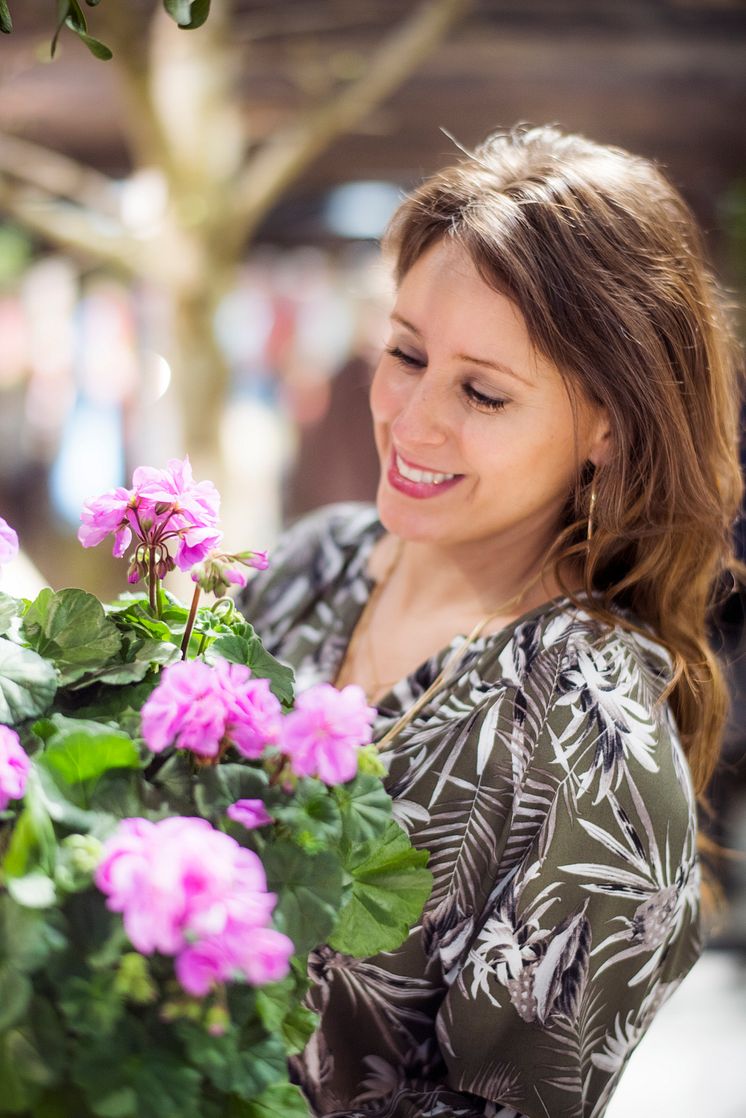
{"points": [[600, 440]]}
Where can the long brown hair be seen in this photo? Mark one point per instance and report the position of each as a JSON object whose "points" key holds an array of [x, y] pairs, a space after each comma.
{"points": [[605, 261]]}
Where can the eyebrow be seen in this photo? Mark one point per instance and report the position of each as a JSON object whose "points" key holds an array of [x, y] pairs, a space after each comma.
{"points": [[496, 365]]}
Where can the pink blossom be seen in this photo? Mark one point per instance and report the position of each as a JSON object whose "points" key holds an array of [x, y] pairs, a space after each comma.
{"points": [[106, 514], [162, 506], [8, 542], [250, 813], [259, 955], [187, 709], [254, 714], [194, 544], [201, 708], [322, 735], [175, 486], [14, 767], [188, 890]]}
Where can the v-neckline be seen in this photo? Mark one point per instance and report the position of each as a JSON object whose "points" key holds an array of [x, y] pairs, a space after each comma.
{"points": [[390, 704]]}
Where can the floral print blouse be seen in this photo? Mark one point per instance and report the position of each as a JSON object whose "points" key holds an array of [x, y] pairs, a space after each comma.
{"points": [[549, 786]]}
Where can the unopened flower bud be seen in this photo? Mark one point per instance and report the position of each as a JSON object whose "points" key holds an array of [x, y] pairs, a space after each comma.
{"points": [[161, 568], [217, 1020], [134, 574], [161, 507], [133, 979], [85, 852]]}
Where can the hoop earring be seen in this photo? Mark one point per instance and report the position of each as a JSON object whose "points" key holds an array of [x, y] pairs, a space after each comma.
{"points": [[591, 509]]}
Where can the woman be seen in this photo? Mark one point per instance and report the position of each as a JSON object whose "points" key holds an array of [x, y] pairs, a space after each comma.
{"points": [[556, 418]]}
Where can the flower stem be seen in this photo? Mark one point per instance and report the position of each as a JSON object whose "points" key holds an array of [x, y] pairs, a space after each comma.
{"points": [[152, 581], [190, 622]]}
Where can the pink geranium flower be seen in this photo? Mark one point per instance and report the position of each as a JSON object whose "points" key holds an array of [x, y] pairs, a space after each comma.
{"points": [[253, 712], [163, 509], [14, 767], [203, 708], [324, 732], [250, 813], [187, 709], [8, 542], [187, 890]]}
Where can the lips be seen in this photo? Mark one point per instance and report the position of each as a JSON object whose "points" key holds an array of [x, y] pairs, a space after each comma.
{"points": [[415, 481]]}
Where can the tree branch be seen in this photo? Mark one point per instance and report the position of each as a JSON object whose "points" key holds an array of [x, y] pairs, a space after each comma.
{"points": [[280, 161], [57, 174], [68, 226]]}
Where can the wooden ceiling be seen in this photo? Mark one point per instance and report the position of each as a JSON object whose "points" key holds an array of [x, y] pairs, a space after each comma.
{"points": [[666, 78]]}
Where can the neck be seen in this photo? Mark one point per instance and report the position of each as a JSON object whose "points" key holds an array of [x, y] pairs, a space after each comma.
{"points": [[471, 580]]}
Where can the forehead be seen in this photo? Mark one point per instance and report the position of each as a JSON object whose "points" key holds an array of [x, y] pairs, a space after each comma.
{"points": [[445, 300]]}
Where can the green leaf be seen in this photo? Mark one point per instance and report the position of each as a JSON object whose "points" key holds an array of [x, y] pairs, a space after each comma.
{"points": [[237, 1063], [218, 786], [71, 628], [27, 683], [312, 815], [83, 754], [8, 606], [27, 936], [63, 11], [6, 23], [32, 833], [188, 13], [250, 650], [145, 656], [133, 1074], [15, 1097], [390, 885], [15, 994], [279, 1011], [33, 890], [93, 1006], [283, 1100], [365, 807], [95, 46], [134, 614], [309, 888]]}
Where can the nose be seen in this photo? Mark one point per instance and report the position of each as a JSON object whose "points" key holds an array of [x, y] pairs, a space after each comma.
{"points": [[421, 420]]}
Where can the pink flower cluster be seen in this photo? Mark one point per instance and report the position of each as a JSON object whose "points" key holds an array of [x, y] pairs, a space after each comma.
{"points": [[8, 542], [322, 735], [203, 709], [163, 506], [187, 890], [14, 767]]}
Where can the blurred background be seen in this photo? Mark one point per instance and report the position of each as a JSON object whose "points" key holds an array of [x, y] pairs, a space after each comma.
{"points": [[189, 263]]}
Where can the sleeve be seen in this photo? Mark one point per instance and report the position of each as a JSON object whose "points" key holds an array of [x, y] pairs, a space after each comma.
{"points": [[307, 558], [593, 917]]}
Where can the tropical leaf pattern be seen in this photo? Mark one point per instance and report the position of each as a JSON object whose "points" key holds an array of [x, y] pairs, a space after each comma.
{"points": [[549, 785]]}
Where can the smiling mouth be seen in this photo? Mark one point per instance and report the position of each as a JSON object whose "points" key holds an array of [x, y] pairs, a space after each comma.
{"points": [[423, 477]]}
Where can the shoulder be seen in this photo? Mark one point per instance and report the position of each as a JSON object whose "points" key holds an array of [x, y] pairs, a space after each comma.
{"points": [[339, 526], [588, 697], [309, 556]]}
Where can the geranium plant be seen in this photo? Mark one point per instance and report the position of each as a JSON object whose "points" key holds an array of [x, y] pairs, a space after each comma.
{"points": [[177, 832]]}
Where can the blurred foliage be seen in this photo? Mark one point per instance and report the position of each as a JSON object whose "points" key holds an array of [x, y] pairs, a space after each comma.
{"points": [[186, 13]]}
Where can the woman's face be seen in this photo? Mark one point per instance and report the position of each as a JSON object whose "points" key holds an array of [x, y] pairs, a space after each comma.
{"points": [[476, 433]]}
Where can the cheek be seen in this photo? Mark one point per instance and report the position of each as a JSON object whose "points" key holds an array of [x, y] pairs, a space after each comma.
{"points": [[383, 396]]}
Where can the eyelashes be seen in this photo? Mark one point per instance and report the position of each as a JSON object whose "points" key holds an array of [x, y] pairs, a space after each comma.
{"points": [[478, 399]]}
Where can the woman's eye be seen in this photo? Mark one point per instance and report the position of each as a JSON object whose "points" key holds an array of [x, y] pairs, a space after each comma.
{"points": [[487, 403], [405, 358]]}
